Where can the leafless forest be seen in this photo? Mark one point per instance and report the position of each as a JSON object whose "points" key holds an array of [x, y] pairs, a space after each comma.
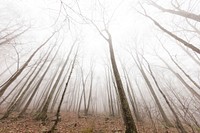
{"points": [[99, 66]]}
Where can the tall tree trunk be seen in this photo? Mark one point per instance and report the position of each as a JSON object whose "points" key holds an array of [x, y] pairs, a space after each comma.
{"points": [[163, 114], [178, 122], [43, 114], [37, 85], [73, 96], [58, 91], [185, 43], [18, 72], [90, 94], [191, 90], [83, 94], [146, 107], [110, 96], [21, 93], [47, 90], [182, 69], [132, 97], [25, 76], [63, 94], [126, 112]]}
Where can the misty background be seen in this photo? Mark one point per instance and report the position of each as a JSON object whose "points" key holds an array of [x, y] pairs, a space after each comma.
{"points": [[26, 24]]}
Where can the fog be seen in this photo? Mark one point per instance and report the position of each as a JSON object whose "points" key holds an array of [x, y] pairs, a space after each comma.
{"points": [[153, 48]]}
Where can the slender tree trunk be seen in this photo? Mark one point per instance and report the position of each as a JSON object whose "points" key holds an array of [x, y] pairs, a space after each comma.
{"points": [[43, 114], [25, 76], [163, 114], [178, 122], [73, 96], [47, 91], [62, 98], [146, 108], [184, 109], [132, 97], [185, 43], [191, 90], [90, 93], [37, 86], [83, 94], [18, 72], [126, 112], [179, 12], [58, 91], [182, 69], [21, 93], [7, 40]]}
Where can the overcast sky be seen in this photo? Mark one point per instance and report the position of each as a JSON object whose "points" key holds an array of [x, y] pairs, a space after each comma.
{"points": [[127, 27]]}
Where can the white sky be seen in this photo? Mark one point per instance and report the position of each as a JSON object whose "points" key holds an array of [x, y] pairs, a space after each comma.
{"points": [[126, 25]]}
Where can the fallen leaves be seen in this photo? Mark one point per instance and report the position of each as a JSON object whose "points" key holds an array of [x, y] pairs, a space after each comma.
{"points": [[70, 123]]}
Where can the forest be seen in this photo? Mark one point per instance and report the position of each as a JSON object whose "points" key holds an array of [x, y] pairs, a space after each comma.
{"points": [[99, 66]]}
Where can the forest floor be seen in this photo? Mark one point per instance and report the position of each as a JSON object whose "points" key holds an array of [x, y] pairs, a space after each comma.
{"points": [[70, 123]]}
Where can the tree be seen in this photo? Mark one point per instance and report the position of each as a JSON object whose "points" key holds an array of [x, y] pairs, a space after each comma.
{"points": [[43, 114], [178, 11], [39, 83], [185, 43], [126, 112], [149, 84], [18, 72], [20, 96], [178, 121], [63, 94]]}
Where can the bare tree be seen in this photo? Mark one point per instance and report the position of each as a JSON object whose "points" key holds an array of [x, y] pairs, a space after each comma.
{"points": [[13, 35], [178, 122], [39, 83], [18, 72], [191, 90], [149, 84], [63, 94], [90, 92], [126, 112], [132, 96], [21, 93], [177, 11], [43, 114], [182, 41]]}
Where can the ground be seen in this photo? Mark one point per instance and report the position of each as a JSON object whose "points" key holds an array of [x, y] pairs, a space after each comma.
{"points": [[70, 123]]}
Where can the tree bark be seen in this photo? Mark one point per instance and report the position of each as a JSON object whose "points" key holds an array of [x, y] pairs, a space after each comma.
{"points": [[126, 112]]}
